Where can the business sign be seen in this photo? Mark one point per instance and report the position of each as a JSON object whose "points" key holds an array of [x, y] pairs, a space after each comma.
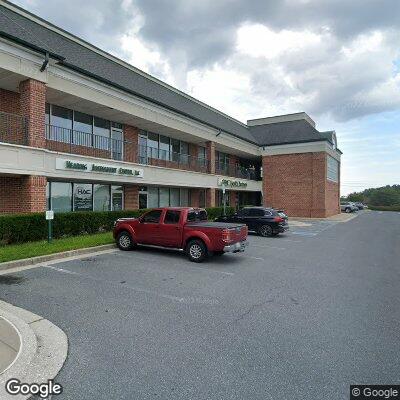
{"points": [[231, 183], [64, 164]]}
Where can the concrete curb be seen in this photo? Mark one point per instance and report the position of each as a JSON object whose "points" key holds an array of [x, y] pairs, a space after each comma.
{"points": [[54, 256], [42, 353]]}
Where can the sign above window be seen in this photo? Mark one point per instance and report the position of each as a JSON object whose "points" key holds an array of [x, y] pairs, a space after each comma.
{"points": [[64, 164], [231, 183]]}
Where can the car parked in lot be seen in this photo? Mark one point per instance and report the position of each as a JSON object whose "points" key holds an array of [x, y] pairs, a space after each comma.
{"points": [[348, 207], [264, 221], [360, 206], [182, 228]]}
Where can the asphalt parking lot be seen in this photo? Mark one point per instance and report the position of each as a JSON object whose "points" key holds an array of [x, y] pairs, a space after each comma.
{"points": [[300, 316]]}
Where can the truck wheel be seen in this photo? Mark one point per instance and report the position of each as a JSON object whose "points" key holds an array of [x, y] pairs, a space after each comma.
{"points": [[265, 230], [124, 241], [196, 251]]}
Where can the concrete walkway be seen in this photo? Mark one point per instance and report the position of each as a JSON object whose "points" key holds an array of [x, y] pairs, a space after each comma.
{"points": [[34, 349]]}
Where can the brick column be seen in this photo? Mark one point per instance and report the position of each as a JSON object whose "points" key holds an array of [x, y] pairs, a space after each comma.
{"points": [[232, 199], [193, 152], [33, 194], [131, 135], [33, 107], [318, 185], [131, 197], [210, 151], [194, 197], [210, 197]]}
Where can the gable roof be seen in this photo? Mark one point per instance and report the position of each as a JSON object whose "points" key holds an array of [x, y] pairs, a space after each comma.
{"points": [[29, 30], [104, 67]]}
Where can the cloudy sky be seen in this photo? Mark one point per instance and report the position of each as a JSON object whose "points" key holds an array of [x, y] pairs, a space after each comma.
{"points": [[337, 60]]}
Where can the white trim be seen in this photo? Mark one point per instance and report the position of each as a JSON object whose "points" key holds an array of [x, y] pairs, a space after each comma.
{"points": [[296, 148]]}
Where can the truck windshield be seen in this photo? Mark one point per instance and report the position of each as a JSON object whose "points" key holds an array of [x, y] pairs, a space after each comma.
{"points": [[197, 215]]}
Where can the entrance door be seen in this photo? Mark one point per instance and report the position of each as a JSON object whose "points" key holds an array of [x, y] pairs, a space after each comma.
{"points": [[116, 144]]}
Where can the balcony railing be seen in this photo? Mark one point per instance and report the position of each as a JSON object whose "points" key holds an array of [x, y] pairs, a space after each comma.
{"points": [[236, 171], [76, 142], [164, 158], [13, 129]]}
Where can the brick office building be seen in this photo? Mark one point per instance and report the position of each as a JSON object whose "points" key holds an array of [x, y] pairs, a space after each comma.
{"points": [[83, 130]]}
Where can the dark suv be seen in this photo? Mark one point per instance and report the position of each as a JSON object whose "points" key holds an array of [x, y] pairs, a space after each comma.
{"points": [[264, 221]]}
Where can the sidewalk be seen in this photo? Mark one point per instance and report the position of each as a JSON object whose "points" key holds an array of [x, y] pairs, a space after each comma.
{"points": [[35, 349]]}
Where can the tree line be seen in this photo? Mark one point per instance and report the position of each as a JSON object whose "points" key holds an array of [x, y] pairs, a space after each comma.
{"points": [[383, 196]]}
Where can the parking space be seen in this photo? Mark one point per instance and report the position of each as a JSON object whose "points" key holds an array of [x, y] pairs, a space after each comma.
{"points": [[294, 316]]}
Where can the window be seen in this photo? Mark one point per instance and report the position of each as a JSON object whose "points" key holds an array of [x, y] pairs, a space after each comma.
{"points": [[256, 212], [202, 198], [244, 212], [152, 145], [83, 129], [202, 156], [184, 198], [61, 124], [164, 197], [197, 215], [332, 169], [172, 217], [174, 197], [152, 217], [102, 200], [60, 196], [164, 148], [83, 200], [101, 138], [176, 149], [117, 196], [152, 198]]}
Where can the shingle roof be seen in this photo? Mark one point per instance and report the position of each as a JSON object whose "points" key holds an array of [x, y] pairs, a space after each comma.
{"points": [[82, 58], [95, 63], [285, 133]]}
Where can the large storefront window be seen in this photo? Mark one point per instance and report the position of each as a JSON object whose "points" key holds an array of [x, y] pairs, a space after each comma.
{"points": [[101, 199], [67, 196], [83, 197], [60, 196], [164, 197], [117, 196]]}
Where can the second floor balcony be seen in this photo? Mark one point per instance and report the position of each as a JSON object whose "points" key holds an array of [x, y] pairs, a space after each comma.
{"points": [[14, 129]]}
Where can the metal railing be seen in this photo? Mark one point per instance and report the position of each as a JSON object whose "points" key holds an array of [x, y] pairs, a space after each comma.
{"points": [[84, 143], [236, 171], [13, 129], [170, 159]]}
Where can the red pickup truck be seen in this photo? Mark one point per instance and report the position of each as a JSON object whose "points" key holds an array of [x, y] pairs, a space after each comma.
{"points": [[182, 228]]}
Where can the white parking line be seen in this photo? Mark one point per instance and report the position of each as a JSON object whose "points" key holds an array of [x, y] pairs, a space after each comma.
{"points": [[267, 246], [254, 258]]}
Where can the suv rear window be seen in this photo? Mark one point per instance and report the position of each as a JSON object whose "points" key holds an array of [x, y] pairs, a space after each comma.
{"points": [[197, 215]]}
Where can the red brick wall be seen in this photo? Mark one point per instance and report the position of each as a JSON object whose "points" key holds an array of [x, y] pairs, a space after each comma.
{"points": [[131, 197], [9, 102], [194, 197], [33, 104], [297, 183], [22, 194], [210, 197], [232, 198], [131, 135], [210, 152], [332, 198]]}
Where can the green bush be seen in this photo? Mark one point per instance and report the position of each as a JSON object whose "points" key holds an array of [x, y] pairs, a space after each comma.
{"points": [[216, 212], [21, 228], [385, 208]]}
